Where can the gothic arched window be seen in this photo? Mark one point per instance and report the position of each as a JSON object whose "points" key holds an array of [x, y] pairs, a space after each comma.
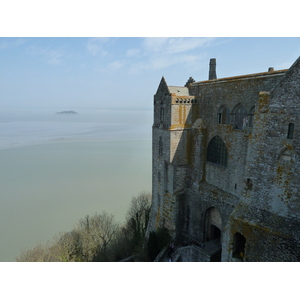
{"points": [[240, 117], [217, 152], [224, 115]]}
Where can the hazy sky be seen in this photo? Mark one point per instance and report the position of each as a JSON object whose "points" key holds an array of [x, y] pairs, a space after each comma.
{"points": [[70, 73]]}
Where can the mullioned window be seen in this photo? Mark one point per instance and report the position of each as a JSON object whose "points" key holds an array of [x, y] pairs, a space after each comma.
{"points": [[217, 152]]}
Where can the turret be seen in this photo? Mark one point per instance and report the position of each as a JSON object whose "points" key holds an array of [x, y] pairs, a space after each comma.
{"points": [[212, 69]]}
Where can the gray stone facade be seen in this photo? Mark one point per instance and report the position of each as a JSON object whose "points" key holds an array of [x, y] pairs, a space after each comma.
{"points": [[226, 165]]}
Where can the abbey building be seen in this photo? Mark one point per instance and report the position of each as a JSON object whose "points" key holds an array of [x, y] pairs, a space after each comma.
{"points": [[226, 169]]}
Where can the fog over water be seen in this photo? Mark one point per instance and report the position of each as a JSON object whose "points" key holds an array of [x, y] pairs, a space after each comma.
{"points": [[55, 169]]}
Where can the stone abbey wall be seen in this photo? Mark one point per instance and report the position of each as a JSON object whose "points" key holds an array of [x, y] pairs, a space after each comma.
{"points": [[226, 165]]}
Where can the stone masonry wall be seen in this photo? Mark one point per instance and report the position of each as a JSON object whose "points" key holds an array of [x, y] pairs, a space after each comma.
{"points": [[257, 193], [274, 164], [212, 96]]}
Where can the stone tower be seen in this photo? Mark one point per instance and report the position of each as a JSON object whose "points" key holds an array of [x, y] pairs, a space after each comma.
{"points": [[173, 119], [212, 69]]}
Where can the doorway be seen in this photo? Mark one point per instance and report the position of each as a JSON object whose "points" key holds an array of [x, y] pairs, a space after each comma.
{"points": [[239, 242], [215, 232], [212, 224]]}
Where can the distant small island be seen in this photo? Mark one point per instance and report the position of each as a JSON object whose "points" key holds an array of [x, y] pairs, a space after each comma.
{"points": [[67, 112]]}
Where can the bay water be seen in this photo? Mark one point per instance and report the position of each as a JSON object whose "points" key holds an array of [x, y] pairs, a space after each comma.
{"points": [[55, 169]]}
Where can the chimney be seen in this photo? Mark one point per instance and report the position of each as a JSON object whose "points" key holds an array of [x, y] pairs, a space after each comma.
{"points": [[212, 69]]}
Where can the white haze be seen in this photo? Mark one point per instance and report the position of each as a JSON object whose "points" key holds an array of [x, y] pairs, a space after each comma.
{"points": [[55, 169]]}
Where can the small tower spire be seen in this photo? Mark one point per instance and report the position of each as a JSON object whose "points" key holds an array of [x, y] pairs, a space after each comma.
{"points": [[190, 81], [212, 69]]}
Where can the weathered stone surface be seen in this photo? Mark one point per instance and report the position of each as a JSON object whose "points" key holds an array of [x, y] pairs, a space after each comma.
{"points": [[249, 200]]}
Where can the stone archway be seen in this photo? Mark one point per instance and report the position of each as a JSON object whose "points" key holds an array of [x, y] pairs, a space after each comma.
{"points": [[213, 224], [213, 233]]}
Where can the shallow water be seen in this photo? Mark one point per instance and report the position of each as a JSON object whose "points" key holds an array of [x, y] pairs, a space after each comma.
{"points": [[48, 184]]}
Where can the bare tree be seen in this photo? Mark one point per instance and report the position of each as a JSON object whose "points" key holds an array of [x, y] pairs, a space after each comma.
{"points": [[39, 253], [96, 233], [67, 247], [138, 216], [98, 237]]}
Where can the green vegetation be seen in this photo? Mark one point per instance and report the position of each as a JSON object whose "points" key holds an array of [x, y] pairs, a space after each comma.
{"points": [[99, 238]]}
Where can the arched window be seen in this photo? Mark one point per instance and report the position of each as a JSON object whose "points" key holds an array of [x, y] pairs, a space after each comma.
{"points": [[217, 152], [239, 242], [224, 115], [251, 117], [290, 131], [240, 117]]}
